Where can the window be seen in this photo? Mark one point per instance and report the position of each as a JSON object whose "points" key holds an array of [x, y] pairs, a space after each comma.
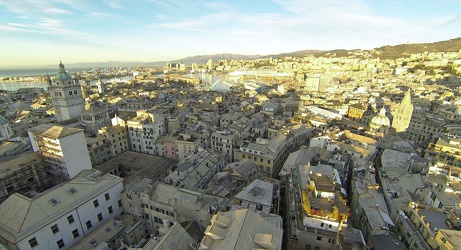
{"points": [[319, 238], [70, 219], [60, 243], [307, 247], [321, 224], [110, 209], [96, 203], [158, 220], [88, 224], [100, 217], [9, 189], [75, 233], [119, 203], [54, 229], [33, 242]]}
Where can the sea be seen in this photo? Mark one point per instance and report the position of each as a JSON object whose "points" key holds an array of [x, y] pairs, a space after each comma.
{"points": [[219, 82], [39, 71], [15, 85]]}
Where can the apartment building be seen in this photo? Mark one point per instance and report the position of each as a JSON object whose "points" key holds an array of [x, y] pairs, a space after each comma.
{"points": [[423, 127], [117, 136], [224, 141], [177, 146], [99, 149], [258, 196], [445, 152], [315, 208], [161, 205], [268, 155], [197, 170], [63, 148], [144, 129], [62, 216]]}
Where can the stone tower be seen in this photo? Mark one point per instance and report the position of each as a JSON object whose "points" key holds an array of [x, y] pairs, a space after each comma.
{"points": [[66, 95], [402, 114]]}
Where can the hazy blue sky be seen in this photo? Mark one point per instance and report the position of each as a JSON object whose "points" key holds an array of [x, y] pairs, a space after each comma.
{"points": [[41, 32]]}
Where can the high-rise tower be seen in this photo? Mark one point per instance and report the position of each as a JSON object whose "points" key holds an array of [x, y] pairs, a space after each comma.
{"points": [[66, 95], [402, 114]]}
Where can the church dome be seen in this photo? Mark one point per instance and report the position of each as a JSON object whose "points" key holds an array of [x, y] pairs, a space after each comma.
{"points": [[381, 120], [63, 74]]}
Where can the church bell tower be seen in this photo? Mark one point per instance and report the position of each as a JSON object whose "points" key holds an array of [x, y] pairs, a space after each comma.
{"points": [[66, 95], [403, 113]]}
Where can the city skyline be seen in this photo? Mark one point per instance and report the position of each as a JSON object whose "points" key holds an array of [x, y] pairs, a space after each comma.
{"points": [[36, 33]]}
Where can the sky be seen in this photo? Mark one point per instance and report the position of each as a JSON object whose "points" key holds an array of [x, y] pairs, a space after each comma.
{"points": [[43, 32]]}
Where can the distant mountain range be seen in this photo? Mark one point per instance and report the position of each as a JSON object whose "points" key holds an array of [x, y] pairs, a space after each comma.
{"points": [[395, 51], [385, 52]]}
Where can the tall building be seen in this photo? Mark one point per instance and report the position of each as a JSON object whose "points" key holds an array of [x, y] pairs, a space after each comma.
{"points": [[117, 137], [316, 208], [223, 141], [144, 129], [402, 114], [66, 95], [63, 148], [210, 64]]}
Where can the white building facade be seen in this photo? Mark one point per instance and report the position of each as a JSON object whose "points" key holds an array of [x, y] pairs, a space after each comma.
{"points": [[62, 216], [143, 130], [63, 148]]}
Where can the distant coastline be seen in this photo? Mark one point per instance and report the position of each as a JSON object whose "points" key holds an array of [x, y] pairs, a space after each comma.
{"points": [[14, 72]]}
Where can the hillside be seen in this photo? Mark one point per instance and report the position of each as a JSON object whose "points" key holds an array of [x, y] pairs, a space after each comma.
{"points": [[385, 52], [203, 59], [395, 51]]}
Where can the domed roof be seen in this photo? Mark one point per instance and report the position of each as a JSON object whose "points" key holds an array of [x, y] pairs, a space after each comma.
{"points": [[381, 120], [63, 74]]}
